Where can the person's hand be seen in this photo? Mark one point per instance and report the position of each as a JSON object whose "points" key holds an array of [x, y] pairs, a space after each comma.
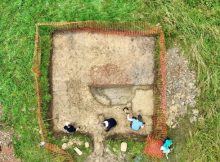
{"points": [[128, 117]]}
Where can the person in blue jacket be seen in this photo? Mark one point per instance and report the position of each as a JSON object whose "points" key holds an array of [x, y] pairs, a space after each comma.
{"points": [[136, 122], [166, 147]]}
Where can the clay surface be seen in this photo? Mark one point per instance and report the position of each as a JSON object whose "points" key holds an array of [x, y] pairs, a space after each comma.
{"points": [[143, 102]]}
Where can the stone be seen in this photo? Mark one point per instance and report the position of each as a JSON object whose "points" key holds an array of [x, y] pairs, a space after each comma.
{"points": [[64, 139], [70, 143], [169, 122], [143, 102], [64, 146], [123, 146], [78, 151], [107, 150], [86, 144], [195, 112], [174, 125], [174, 109], [193, 119], [75, 141]]}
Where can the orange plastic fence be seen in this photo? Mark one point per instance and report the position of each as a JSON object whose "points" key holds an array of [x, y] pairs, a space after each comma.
{"points": [[152, 147], [134, 29]]}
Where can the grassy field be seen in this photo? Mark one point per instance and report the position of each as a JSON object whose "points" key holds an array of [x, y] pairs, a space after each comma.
{"points": [[192, 25]]}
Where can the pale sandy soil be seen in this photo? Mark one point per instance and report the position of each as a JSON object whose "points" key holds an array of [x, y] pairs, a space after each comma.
{"points": [[94, 74]]}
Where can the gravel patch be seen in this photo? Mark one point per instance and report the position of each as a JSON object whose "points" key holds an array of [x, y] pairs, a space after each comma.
{"points": [[6, 147], [181, 88]]}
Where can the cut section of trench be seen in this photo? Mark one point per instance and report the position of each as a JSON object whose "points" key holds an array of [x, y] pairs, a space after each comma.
{"points": [[120, 95], [95, 74]]}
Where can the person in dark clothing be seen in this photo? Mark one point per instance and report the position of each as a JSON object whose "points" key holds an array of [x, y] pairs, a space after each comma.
{"points": [[109, 124], [69, 128]]}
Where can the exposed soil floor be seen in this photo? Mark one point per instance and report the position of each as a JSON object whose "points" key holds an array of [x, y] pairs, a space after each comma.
{"points": [[95, 76]]}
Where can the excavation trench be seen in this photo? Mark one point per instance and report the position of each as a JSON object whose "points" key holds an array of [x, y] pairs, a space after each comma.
{"points": [[95, 75]]}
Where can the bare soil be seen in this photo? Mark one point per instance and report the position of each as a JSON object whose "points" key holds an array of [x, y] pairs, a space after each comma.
{"points": [[95, 76]]}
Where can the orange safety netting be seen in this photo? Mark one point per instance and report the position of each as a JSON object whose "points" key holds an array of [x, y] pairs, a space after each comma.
{"points": [[134, 29]]}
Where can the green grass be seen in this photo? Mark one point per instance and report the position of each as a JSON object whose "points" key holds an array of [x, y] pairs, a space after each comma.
{"points": [[192, 25], [86, 151], [134, 149]]}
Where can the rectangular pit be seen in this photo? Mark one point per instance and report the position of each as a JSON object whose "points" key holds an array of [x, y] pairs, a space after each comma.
{"points": [[82, 60]]}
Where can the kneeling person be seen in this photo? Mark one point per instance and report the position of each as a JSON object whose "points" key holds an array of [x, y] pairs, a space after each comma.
{"points": [[136, 123], [69, 128], [109, 124], [167, 146]]}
